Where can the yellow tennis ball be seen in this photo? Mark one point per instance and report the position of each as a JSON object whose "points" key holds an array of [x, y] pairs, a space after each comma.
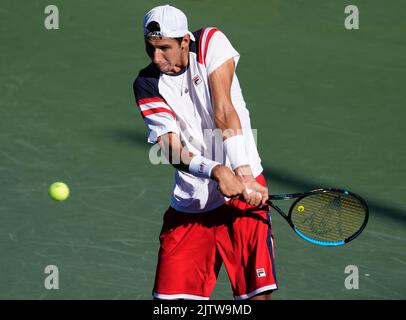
{"points": [[300, 208], [59, 191]]}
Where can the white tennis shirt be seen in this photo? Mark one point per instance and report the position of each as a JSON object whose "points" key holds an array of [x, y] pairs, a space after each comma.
{"points": [[181, 103]]}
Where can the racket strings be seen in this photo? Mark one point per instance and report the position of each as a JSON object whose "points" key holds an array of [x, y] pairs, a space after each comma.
{"points": [[328, 216]]}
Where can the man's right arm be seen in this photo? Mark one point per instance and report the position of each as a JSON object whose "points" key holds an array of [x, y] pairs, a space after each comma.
{"points": [[182, 159]]}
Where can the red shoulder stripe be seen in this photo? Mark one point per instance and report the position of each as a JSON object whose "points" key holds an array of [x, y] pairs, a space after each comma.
{"points": [[200, 56], [208, 38]]}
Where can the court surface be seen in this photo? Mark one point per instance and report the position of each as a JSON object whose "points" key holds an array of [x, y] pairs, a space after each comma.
{"points": [[328, 104]]}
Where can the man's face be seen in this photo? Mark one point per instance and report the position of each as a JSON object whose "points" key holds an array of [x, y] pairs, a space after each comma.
{"points": [[165, 53]]}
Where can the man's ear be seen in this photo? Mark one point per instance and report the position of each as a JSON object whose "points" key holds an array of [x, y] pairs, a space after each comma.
{"points": [[185, 41]]}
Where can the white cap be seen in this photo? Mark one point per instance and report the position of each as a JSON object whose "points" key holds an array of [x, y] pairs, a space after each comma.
{"points": [[172, 22]]}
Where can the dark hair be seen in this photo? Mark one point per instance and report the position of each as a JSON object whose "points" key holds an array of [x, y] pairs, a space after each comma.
{"points": [[179, 40], [154, 30]]}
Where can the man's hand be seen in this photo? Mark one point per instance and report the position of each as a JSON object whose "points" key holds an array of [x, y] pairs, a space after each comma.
{"points": [[229, 185], [257, 194], [245, 187]]}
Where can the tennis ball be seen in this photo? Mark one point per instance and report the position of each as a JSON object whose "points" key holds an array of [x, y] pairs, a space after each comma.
{"points": [[300, 208], [59, 191]]}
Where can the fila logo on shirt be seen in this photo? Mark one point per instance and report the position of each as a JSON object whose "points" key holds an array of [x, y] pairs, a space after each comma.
{"points": [[261, 273], [197, 80], [201, 167]]}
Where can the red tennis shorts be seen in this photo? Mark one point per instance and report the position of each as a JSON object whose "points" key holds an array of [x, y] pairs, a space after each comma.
{"points": [[194, 246]]}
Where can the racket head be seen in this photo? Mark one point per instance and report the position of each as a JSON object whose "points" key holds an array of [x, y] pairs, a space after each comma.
{"points": [[329, 217]]}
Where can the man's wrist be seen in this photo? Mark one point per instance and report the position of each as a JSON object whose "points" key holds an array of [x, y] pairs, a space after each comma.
{"points": [[244, 170], [218, 171], [202, 167]]}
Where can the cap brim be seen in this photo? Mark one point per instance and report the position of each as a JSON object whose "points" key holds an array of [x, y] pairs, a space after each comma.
{"points": [[173, 35], [192, 37]]}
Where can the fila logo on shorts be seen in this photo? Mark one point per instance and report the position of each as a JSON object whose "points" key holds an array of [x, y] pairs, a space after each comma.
{"points": [[261, 272], [197, 80]]}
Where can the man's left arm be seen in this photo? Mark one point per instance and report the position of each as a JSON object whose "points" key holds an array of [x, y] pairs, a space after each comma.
{"points": [[227, 120]]}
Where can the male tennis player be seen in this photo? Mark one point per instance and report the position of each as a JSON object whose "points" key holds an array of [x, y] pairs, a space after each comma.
{"points": [[192, 105]]}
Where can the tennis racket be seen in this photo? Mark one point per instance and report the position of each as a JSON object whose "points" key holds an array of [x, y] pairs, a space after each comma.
{"points": [[325, 217]]}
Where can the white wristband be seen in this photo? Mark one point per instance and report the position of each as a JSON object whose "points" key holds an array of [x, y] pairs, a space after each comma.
{"points": [[235, 151], [201, 167]]}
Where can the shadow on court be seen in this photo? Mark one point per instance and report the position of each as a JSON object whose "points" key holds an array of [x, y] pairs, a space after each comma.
{"points": [[274, 174], [129, 136]]}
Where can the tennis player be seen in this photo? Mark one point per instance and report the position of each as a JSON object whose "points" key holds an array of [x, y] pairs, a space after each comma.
{"points": [[192, 105]]}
